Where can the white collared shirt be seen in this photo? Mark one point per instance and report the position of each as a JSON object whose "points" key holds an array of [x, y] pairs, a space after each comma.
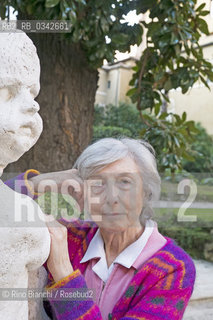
{"points": [[126, 258]]}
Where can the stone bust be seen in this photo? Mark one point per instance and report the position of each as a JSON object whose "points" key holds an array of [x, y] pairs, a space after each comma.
{"points": [[25, 246]]}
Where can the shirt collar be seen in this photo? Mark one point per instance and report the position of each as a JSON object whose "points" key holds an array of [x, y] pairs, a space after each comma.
{"points": [[95, 248], [128, 256]]}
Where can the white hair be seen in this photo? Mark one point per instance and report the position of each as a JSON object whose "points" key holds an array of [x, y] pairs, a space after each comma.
{"points": [[107, 150]]}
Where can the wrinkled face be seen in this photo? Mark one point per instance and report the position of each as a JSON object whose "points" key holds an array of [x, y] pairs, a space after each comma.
{"points": [[115, 195], [20, 123]]}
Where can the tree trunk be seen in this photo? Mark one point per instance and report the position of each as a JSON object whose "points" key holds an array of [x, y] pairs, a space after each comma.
{"points": [[66, 99]]}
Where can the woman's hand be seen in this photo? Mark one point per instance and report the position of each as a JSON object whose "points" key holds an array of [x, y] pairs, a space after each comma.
{"points": [[58, 262], [66, 182]]}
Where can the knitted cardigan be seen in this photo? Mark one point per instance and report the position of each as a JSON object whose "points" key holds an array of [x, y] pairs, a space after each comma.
{"points": [[161, 289]]}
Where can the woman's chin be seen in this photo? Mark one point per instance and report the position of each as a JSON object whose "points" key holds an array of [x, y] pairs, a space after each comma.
{"points": [[115, 226]]}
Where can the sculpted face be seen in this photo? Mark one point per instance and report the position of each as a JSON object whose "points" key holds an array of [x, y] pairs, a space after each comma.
{"points": [[20, 123]]}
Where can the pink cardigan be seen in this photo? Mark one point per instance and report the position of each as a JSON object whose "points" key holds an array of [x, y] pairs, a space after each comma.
{"points": [[121, 276], [159, 289]]}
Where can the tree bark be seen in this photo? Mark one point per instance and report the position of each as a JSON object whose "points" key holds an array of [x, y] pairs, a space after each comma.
{"points": [[66, 99]]}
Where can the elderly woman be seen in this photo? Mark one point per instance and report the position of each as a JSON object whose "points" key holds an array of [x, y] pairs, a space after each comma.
{"points": [[135, 272]]}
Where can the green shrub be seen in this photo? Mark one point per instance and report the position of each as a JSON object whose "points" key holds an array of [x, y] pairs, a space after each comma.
{"points": [[192, 237], [171, 147], [124, 116], [207, 181], [191, 240], [99, 115], [100, 132], [202, 149]]}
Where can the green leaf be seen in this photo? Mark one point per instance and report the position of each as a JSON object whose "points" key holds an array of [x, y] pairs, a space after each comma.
{"points": [[165, 40], [131, 92], [204, 82], [142, 132], [195, 52], [174, 39], [119, 39], [51, 3], [104, 24], [178, 119], [153, 27], [72, 17], [178, 49], [176, 142], [168, 85], [157, 108], [2, 12], [184, 89], [29, 9], [200, 8], [187, 48], [165, 97], [210, 75], [203, 26], [147, 117], [204, 13], [187, 156], [135, 68], [146, 5], [83, 2], [184, 116], [163, 115]]}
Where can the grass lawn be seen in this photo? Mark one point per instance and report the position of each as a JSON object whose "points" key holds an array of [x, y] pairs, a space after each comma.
{"points": [[169, 192], [172, 216]]}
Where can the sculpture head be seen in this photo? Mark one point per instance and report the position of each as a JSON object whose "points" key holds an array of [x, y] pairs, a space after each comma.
{"points": [[20, 123]]}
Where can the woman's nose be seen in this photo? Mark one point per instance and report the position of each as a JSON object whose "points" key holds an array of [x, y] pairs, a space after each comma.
{"points": [[111, 194]]}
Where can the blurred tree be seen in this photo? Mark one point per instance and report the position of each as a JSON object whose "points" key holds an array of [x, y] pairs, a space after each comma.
{"points": [[124, 116], [173, 151], [202, 150], [69, 62]]}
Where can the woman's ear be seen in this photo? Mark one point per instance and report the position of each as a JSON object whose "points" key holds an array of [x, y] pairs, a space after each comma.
{"points": [[147, 195]]}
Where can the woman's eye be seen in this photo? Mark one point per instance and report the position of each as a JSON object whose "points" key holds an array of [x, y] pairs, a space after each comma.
{"points": [[97, 189], [125, 183], [5, 94], [97, 186]]}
